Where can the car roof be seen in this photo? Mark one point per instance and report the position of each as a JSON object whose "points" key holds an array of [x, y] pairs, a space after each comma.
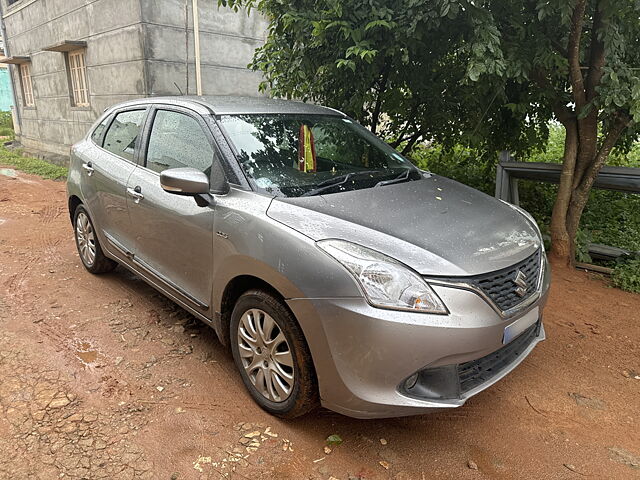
{"points": [[228, 105]]}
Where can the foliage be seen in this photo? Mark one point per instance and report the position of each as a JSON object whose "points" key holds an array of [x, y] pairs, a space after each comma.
{"points": [[583, 239], [36, 166], [6, 121], [453, 71], [626, 276], [6, 124], [466, 165]]}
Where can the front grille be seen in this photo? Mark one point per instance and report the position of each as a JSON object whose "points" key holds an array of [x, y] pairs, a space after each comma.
{"points": [[475, 373], [501, 288]]}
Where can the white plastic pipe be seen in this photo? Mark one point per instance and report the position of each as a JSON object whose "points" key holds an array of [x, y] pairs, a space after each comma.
{"points": [[196, 37]]}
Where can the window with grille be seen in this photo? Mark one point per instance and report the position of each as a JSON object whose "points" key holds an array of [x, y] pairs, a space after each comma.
{"points": [[78, 78], [27, 86]]}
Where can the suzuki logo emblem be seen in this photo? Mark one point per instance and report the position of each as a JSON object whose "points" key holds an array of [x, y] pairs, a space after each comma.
{"points": [[521, 283]]}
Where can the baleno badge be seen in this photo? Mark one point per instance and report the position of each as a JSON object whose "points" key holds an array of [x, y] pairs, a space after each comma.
{"points": [[521, 283]]}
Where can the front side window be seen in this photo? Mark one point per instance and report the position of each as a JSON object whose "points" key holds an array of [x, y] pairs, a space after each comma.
{"points": [[78, 78], [299, 155], [123, 133], [177, 140], [27, 85]]}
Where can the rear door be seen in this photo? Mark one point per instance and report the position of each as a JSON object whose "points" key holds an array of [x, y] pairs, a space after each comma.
{"points": [[107, 170], [173, 235]]}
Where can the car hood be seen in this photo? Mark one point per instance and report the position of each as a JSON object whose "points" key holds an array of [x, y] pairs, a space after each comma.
{"points": [[435, 225]]}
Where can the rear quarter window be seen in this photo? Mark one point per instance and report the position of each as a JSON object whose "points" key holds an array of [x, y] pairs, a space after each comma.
{"points": [[123, 133], [98, 132]]}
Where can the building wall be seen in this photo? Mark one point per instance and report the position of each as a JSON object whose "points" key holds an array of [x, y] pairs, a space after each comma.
{"points": [[227, 42], [134, 48], [114, 57]]}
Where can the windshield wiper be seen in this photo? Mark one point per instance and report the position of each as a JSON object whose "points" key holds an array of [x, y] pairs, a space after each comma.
{"points": [[403, 177], [336, 182]]}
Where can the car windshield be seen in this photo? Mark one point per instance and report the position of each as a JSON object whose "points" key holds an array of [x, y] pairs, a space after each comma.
{"points": [[302, 155]]}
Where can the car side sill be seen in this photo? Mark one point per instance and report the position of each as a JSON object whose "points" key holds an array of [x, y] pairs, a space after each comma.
{"points": [[151, 271], [143, 265]]}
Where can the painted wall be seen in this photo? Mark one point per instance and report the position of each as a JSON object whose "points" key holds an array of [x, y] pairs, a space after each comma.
{"points": [[5, 90]]}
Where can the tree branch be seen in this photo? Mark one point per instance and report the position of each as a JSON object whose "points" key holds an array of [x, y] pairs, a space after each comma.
{"points": [[573, 49], [597, 56], [621, 121], [412, 141], [381, 89]]}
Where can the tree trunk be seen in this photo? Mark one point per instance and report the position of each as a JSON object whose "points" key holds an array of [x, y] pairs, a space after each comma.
{"points": [[582, 163], [560, 238]]}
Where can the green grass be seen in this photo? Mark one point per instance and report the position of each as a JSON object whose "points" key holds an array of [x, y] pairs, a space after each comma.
{"points": [[32, 165]]}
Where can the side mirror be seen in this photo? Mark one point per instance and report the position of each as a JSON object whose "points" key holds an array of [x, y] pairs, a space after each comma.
{"points": [[184, 181]]}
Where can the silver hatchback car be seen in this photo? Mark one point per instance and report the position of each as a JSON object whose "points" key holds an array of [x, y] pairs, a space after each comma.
{"points": [[338, 272]]}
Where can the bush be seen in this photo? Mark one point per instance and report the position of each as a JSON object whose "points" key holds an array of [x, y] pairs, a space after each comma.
{"points": [[464, 165], [627, 276]]}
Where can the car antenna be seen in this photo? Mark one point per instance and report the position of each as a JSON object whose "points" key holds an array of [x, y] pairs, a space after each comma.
{"points": [[182, 94]]}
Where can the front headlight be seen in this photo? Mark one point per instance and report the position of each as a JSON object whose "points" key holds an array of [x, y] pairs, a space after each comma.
{"points": [[386, 282]]}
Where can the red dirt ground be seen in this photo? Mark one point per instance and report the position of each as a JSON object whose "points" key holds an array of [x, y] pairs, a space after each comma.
{"points": [[102, 377]]}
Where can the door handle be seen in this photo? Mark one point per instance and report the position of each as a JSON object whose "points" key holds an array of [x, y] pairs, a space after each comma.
{"points": [[88, 167], [136, 193]]}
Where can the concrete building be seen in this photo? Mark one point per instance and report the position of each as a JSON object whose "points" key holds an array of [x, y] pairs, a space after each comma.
{"points": [[70, 59]]}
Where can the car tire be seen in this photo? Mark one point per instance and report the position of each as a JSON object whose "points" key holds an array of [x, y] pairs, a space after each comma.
{"points": [[89, 249], [256, 307]]}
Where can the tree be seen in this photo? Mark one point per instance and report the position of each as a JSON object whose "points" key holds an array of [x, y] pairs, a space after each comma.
{"points": [[485, 73]]}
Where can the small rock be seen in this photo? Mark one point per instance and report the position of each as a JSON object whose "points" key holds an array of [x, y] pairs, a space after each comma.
{"points": [[625, 457], [472, 465], [327, 450], [255, 433], [384, 464], [383, 441], [118, 361], [59, 402], [159, 388]]}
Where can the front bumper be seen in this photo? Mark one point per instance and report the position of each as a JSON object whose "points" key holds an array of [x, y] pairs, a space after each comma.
{"points": [[364, 355]]}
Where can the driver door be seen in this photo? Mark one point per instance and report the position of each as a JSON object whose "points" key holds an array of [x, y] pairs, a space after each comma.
{"points": [[173, 235]]}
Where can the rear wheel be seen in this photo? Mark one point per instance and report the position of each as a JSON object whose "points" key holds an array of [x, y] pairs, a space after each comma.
{"points": [[272, 355], [87, 243]]}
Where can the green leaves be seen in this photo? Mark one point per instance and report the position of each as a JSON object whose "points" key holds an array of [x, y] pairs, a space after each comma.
{"points": [[333, 440], [485, 73]]}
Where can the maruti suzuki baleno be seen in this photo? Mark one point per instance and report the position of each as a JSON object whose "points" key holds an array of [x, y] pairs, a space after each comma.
{"points": [[338, 272]]}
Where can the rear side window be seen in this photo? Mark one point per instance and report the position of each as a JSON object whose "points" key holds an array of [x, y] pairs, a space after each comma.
{"points": [[98, 133], [121, 137], [178, 140]]}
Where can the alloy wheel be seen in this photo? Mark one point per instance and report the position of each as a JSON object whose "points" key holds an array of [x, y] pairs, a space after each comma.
{"points": [[86, 239], [266, 355]]}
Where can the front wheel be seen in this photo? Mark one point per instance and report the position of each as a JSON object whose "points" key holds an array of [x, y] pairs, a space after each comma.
{"points": [[87, 243], [272, 355]]}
